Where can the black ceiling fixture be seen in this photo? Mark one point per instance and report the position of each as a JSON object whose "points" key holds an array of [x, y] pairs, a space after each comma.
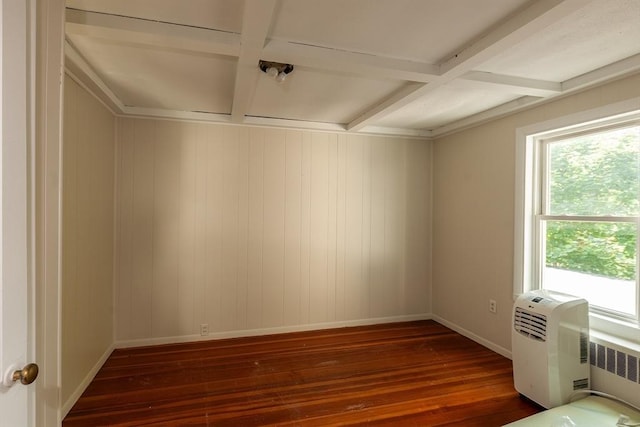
{"points": [[277, 70]]}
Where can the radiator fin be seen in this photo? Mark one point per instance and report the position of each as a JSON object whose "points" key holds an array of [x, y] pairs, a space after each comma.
{"points": [[530, 324]]}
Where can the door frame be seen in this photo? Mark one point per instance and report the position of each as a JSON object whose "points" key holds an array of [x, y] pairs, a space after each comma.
{"points": [[16, 334], [47, 53]]}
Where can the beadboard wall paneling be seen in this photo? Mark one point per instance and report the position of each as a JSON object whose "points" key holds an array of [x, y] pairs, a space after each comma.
{"points": [[248, 228], [87, 235]]}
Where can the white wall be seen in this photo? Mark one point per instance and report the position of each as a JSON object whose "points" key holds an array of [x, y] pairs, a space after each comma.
{"points": [[250, 229], [474, 173], [87, 237], [473, 199]]}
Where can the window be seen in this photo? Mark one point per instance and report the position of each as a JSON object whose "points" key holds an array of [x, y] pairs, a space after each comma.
{"points": [[578, 214]]}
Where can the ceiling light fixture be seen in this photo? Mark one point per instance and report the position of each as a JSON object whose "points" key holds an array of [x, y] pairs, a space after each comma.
{"points": [[276, 70]]}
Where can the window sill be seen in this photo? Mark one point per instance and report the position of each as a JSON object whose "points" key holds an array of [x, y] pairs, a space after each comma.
{"points": [[618, 333]]}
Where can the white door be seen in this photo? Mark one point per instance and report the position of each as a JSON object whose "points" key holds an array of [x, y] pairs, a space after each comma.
{"points": [[16, 287]]}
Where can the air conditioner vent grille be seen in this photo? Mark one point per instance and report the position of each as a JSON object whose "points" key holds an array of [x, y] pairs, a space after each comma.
{"points": [[530, 324]]}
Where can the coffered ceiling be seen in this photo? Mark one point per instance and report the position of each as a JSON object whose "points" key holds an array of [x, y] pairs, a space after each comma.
{"points": [[409, 67]]}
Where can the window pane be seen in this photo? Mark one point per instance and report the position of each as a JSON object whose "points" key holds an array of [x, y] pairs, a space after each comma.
{"points": [[596, 174], [594, 260]]}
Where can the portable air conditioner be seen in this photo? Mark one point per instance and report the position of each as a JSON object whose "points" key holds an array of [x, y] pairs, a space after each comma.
{"points": [[550, 346]]}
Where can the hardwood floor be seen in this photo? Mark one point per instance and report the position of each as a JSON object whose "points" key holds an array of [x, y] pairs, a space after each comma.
{"points": [[401, 374]]}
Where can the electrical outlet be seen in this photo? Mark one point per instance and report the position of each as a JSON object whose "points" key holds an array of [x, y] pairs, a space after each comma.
{"points": [[204, 329], [493, 306]]}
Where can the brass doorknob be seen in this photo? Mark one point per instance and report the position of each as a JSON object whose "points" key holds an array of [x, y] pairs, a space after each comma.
{"points": [[27, 375]]}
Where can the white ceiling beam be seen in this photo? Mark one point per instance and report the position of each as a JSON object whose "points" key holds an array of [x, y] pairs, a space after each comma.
{"points": [[608, 72], [511, 84], [385, 107], [256, 21], [484, 116], [141, 32], [342, 61], [83, 71], [537, 16], [526, 23], [604, 74]]}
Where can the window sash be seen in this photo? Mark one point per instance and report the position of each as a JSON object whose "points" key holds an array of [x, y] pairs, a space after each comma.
{"points": [[539, 259], [585, 218], [528, 204], [541, 207]]}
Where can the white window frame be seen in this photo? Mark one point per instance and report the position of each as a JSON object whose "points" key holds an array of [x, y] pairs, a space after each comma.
{"points": [[527, 196]]}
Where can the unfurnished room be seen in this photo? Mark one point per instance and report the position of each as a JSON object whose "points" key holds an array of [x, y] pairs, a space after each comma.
{"points": [[320, 212]]}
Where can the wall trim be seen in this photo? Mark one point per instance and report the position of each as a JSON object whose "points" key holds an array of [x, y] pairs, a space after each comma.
{"points": [[73, 398], [477, 338], [263, 123], [269, 331], [48, 36], [91, 92]]}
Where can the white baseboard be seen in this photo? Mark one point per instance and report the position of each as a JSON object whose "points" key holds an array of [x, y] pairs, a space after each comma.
{"points": [[66, 406], [490, 345], [268, 331]]}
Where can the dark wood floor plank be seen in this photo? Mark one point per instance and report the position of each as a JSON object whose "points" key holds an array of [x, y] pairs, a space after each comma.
{"points": [[411, 373]]}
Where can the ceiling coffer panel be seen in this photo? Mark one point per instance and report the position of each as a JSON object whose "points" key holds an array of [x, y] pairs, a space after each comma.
{"points": [[418, 30], [444, 105], [221, 15], [161, 79], [414, 67], [318, 96], [601, 33]]}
